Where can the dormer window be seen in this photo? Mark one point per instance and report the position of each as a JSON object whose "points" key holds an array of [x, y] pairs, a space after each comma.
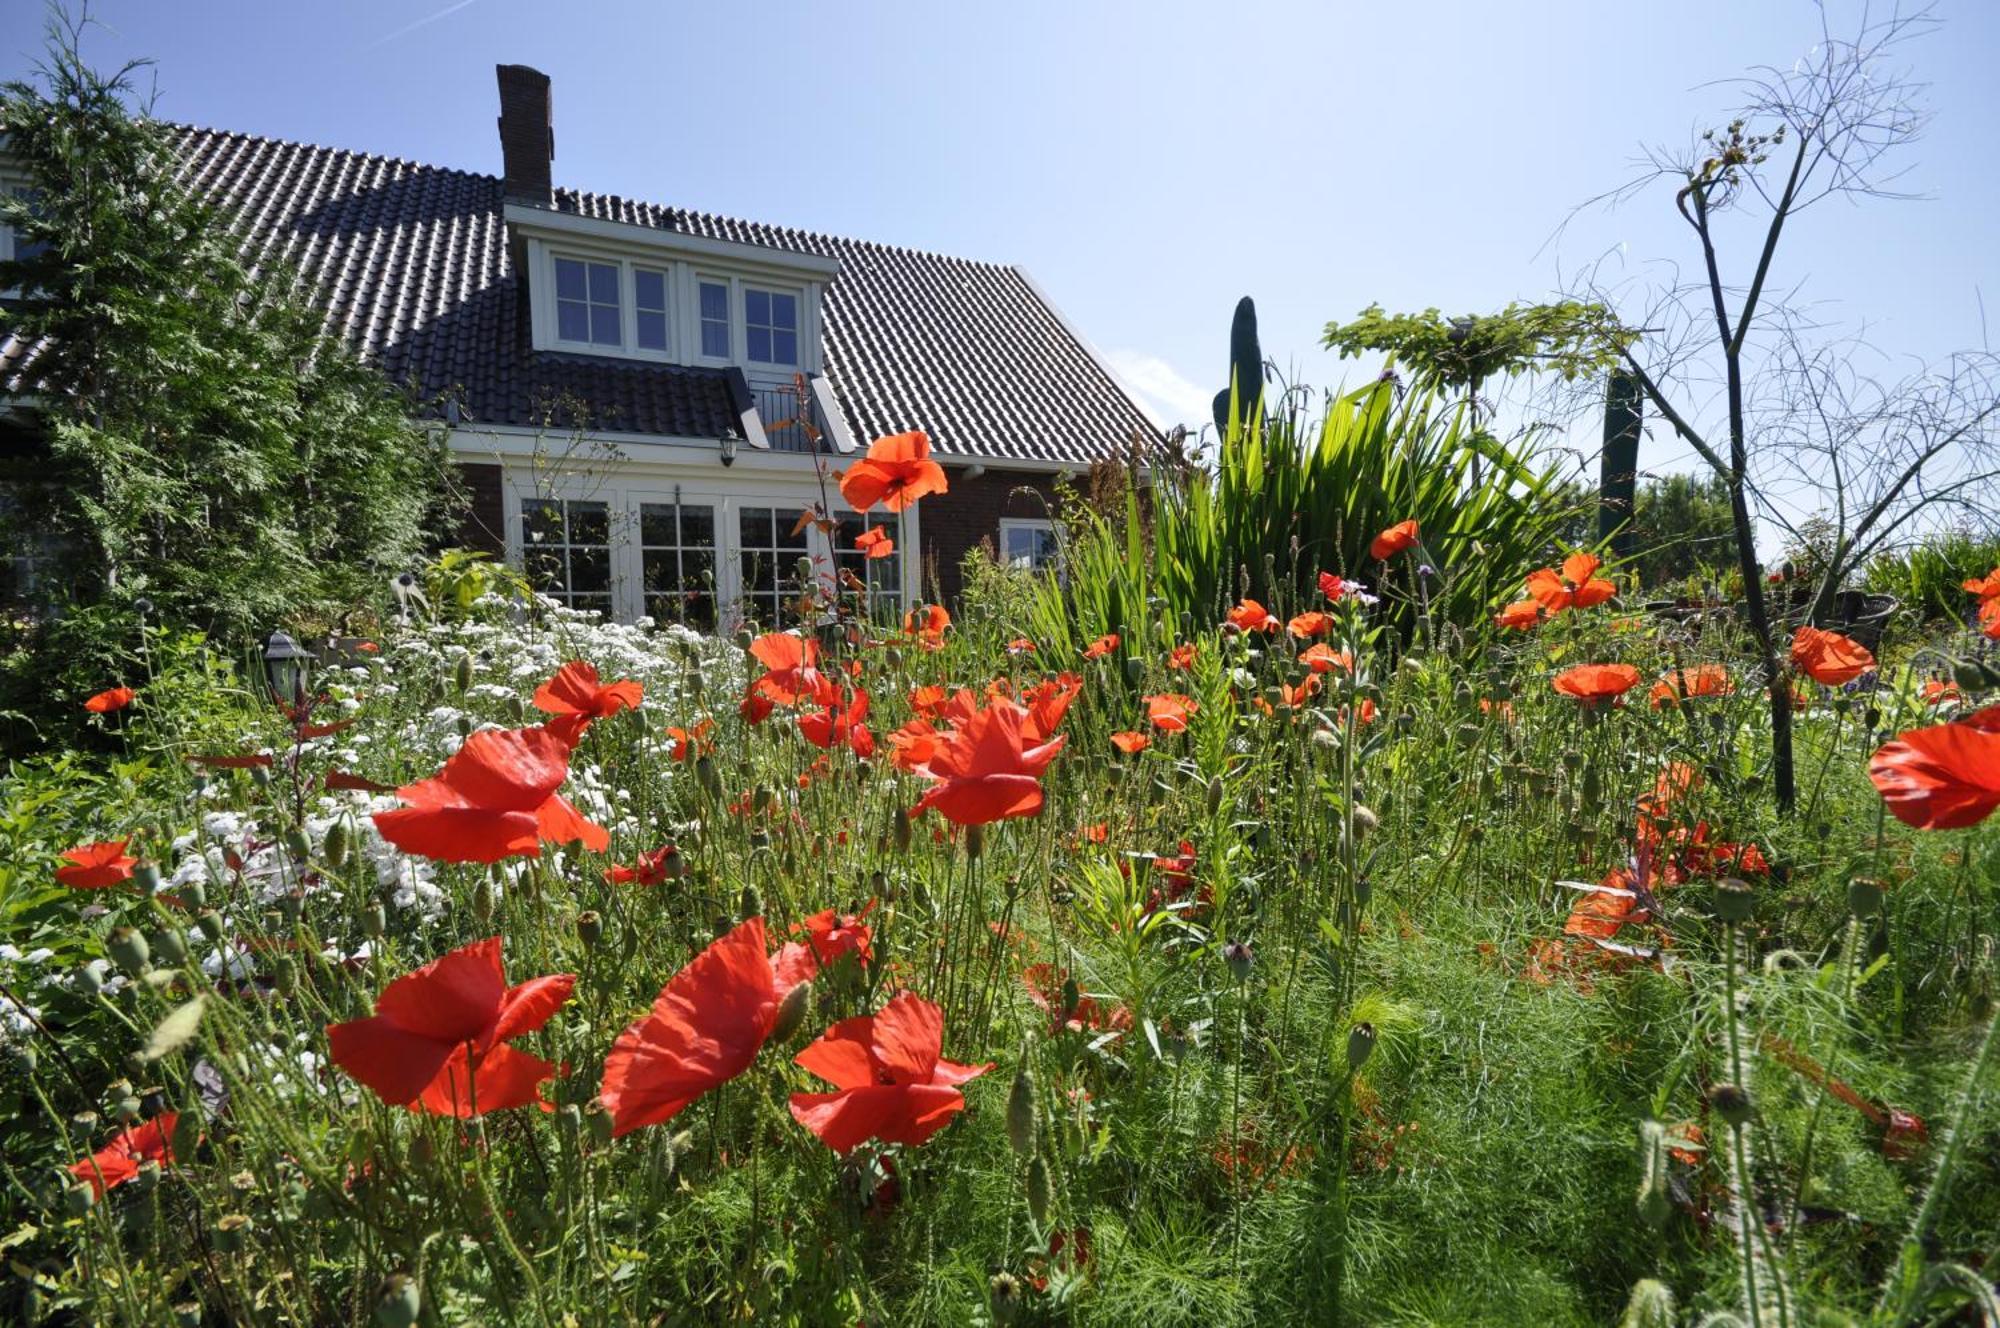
{"points": [[715, 320], [593, 298], [771, 325], [587, 302]]}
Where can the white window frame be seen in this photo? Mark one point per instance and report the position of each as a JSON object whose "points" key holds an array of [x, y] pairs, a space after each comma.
{"points": [[733, 326], [799, 313], [625, 494], [1013, 523], [628, 346]]}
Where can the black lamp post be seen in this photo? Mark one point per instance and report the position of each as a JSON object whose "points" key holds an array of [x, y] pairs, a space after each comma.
{"points": [[287, 666]]}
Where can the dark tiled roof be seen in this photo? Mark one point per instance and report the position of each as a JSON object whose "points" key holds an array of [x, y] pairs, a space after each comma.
{"points": [[412, 264]]}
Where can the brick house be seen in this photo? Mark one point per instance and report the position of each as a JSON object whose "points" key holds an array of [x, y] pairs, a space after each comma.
{"points": [[644, 399]]}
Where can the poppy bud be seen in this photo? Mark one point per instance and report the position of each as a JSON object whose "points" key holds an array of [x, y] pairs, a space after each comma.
{"points": [[1970, 675], [1004, 1297], [1239, 958], [1041, 1190], [589, 928], [231, 1233], [791, 1012], [975, 841], [1655, 1203], [1864, 897], [461, 676], [1651, 1306], [1215, 792], [210, 923], [374, 920], [171, 945], [1135, 669], [1360, 1045], [194, 895], [1732, 1103], [187, 1136], [400, 1303], [598, 1117], [482, 901], [1735, 901], [297, 844], [750, 903], [1021, 1111], [334, 845], [128, 949], [285, 976], [762, 798], [707, 777]]}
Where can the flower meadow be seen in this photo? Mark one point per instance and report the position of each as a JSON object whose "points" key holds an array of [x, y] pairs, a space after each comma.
{"points": [[1258, 967]]}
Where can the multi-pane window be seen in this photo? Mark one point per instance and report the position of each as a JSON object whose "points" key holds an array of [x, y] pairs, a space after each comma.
{"points": [[566, 547], [882, 576], [770, 542], [715, 320], [649, 302], [1027, 544], [587, 303], [771, 326], [13, 248], [677, 562]]}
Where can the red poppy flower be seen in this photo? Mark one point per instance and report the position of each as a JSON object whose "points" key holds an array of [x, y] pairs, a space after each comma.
{"points": [[1323, 658], [928, 623], [1045, 983], [791, 664], [1576, 586], [1599, 914], [1250, 616], [1943, 777], [1989, 618], [706, 1026], [1050, 699], [1401, 536], [913, 745], [662, 864], [1181, 658], [1520, 616], [118, 1161], [1985, 587], [115, 698], [1130, 741], [986, 770], [495, 798], [1595, 684], [1936, 692], [1681, 684], [894, 1084], [340, 781], [897, 471], [695, 742], [96, 866], [437, 1040], [841, 724], [1020, 645], [1333, 587], [928, 699], [875, 542], [1829, 657], [828, 936], [1101, 647], [1299, 695], [1310, 624], [368, 647], [1169, 711], [575, 693]]}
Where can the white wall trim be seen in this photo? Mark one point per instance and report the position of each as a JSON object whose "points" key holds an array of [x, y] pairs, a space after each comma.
{"points": [[630, 236]]}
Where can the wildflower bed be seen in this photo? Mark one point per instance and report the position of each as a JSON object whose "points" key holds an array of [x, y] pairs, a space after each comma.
{"points": [[531, 969]]}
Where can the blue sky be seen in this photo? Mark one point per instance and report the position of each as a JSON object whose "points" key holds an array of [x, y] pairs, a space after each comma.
{"points": [[1147, 162]]}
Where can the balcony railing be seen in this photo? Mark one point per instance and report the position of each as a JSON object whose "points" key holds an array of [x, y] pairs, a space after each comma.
{"points": [[793, 421]]}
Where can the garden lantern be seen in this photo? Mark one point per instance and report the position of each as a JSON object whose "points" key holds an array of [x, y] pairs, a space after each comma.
{"points": [[287, 665], [729, 447]]}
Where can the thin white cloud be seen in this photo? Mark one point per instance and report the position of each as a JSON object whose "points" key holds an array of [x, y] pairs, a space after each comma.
{"points": [[423, 22], [1166, 396]]}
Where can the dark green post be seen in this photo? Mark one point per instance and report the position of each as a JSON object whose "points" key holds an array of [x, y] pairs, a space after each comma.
{"points": [[1618, 480], [1246, 372]]}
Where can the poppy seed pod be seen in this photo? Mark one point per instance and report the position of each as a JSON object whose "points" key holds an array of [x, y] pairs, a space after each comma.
{"points": [[975, 841], [762, 798], [750, 903], [128, 949], [791, 1012], [1240, 959], [589, 928], [1735, 901], [400, 1303], [374, 920], [1651, 1306], [707, 777], [1021, 1110], [171, 945], [210, 923], [598, 1117], [77, 1199], [1732, 1103], [194, 895], [1135, 669], [1360, 1045], [1656, 1205], [297, 844], [1864, 897], [1041, 1190], [231, 1233]]}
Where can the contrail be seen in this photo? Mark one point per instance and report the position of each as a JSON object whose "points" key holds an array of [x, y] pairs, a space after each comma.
{"points": [[425, 21]]}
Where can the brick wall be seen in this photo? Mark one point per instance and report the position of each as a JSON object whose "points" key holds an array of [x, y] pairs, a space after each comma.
{"points": [[484, 525], [527, 132], [955, 522]]}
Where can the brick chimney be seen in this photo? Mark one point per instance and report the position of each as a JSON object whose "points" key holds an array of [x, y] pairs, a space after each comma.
{"points": [[527, 133]]}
